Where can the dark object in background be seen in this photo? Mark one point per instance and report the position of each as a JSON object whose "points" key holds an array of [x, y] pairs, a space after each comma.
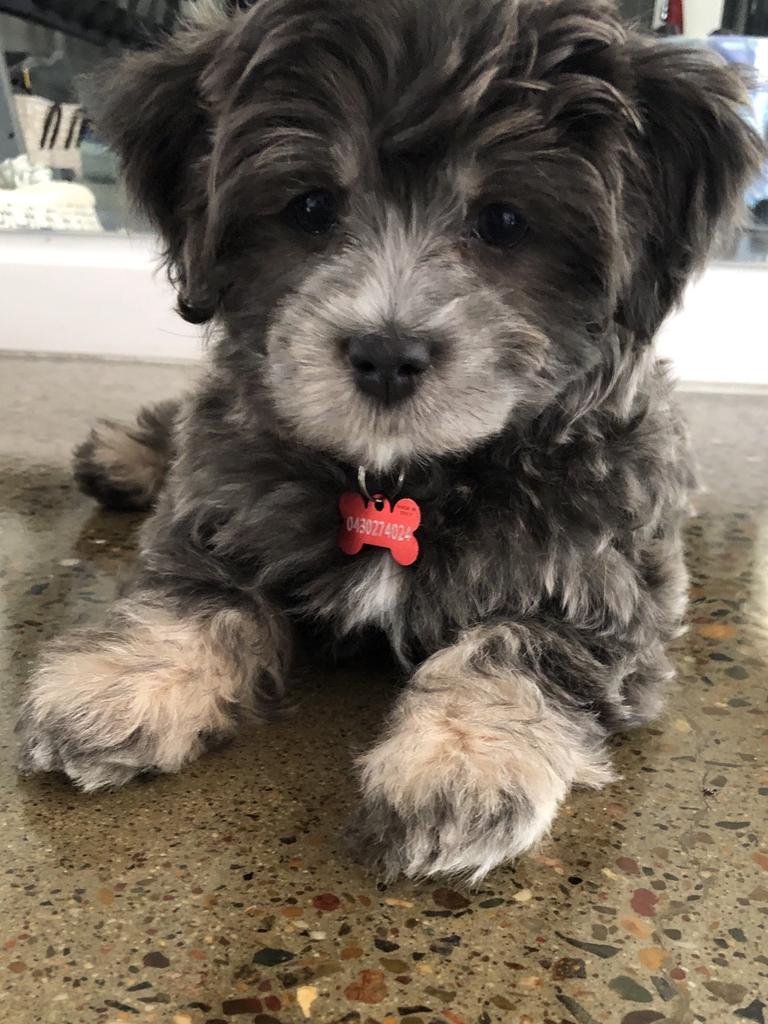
{"points": [[637, 12], [745, 18], [104, 22], [51, 77]]}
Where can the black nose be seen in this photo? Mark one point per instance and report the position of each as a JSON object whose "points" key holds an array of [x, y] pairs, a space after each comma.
{"points": [[388, 366]]}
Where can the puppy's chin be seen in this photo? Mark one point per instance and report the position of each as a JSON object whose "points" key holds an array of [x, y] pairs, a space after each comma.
{"points": [[359, 433], [385, 454]]}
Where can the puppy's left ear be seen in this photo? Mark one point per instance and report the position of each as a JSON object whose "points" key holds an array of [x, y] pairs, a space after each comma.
{"points": [[150, 108], [691, 160]]}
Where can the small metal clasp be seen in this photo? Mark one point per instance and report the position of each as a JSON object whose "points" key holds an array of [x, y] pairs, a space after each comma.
{"points": [[362, 483]]}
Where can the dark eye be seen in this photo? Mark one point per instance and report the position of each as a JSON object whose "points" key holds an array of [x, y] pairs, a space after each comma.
{"points": [[500, 225], [314, 212]]}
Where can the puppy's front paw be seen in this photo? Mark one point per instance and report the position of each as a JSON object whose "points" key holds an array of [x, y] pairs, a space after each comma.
{"points": [[461, 834], [51, 742], [461, 784], [148, 696]]}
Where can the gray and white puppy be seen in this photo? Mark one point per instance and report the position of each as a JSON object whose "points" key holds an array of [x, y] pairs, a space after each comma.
{"points": [[436, 241]]}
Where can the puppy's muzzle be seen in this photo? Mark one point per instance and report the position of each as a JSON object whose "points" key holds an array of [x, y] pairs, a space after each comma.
{"points": [[388, 367]]}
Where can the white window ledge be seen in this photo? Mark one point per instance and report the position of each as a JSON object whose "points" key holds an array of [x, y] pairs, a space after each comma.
{"points": [[102, 295]]}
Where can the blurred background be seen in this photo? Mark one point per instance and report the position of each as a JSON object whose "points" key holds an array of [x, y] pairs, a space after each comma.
{"points": [[78, 269]]}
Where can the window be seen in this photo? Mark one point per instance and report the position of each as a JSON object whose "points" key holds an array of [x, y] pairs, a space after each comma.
{"points": [[68, 233], [54, 171]]}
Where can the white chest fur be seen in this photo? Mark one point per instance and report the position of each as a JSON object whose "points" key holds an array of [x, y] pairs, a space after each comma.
{"points": [[373, 594]]}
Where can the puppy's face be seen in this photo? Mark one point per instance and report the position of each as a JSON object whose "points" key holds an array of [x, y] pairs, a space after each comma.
{"points": [[411, 310], [422, 225], [415, 325]]}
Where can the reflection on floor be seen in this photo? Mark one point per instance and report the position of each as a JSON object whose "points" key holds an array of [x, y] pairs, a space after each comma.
{"points": [[221, 894]]}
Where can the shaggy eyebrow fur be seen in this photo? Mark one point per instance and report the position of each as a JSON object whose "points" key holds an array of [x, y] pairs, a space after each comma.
{"points": [[394, 86], [540, 439]]}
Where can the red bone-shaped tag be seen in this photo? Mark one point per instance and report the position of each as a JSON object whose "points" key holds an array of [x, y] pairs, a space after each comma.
{"points": [[394, 528]]}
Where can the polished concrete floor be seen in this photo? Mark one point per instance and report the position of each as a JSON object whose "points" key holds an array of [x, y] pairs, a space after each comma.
{"points": [[221, 894]]}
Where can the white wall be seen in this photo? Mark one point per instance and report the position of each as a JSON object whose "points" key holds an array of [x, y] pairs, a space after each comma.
{"points": [[720, 335], [89, 295], [102, 295], [701, 17]]}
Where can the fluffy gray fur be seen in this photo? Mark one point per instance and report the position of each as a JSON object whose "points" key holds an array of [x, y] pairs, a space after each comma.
{"points": [[542, 444]]}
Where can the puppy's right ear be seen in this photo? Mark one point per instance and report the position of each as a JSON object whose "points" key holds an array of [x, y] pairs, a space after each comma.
{"points": [[692, 159], [149, 108]]}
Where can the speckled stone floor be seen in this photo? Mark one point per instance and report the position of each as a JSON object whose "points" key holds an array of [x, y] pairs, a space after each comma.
{"points": [[221, 895]]}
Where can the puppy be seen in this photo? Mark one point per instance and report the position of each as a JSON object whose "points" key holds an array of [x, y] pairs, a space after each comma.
{"points": [[436, 243]]}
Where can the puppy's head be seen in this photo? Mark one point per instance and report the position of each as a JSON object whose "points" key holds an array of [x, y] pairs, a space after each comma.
{"points": [[420, 223]]}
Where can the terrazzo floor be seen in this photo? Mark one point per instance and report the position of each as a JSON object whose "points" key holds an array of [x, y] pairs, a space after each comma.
{"points": [[221, 895]]}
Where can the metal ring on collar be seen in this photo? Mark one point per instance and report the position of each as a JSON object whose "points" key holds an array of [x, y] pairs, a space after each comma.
{"points": [[363, 484]]}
